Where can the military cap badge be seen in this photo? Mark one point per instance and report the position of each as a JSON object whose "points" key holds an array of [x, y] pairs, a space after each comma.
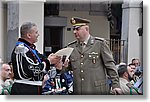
{"points": [[73, 21]]}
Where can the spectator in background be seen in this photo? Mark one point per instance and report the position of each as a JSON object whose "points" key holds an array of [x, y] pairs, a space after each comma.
{"points": [[58, 81], [135, 77], [139, 73], [139, 69], [136, 62], [133, 67], [5, 72], [10, 81], [125, 76]]}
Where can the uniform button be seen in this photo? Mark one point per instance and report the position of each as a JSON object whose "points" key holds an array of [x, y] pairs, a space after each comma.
{"points": [[81, 56], [81, 63], [82, 79], [81, 71]]}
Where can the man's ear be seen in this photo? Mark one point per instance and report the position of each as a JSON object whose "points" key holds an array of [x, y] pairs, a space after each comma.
{"points": [[87, 28], [28, 36], [125, 74]]}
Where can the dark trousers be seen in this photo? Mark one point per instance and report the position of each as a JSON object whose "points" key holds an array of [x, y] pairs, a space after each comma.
{"points": [[25, 89]]}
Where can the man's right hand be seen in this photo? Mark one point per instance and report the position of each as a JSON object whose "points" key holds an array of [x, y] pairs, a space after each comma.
{"points": [[53, 59], [117, 91]]}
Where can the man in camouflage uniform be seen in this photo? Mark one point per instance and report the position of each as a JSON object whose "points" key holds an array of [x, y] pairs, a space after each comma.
{"points": [[91, 62]]}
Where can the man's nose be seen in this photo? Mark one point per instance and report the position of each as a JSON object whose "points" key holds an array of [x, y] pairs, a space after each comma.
{"points": [[74, 31]]}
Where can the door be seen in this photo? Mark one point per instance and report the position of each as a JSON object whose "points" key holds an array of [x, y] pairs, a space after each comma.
{"points": [[53, 37]]}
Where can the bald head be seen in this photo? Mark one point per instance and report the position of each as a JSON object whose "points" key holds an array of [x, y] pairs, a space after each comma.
{"points": [[5, 71]]}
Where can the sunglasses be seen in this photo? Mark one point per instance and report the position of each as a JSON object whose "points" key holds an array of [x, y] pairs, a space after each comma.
{"points": [[77, 28]]}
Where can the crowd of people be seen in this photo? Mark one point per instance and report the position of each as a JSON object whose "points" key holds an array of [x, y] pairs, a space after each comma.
{"points": [[90, 69], [131, 77]]}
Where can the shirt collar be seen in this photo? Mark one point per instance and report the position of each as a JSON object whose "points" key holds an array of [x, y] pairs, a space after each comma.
{"points": [[86, 40]]}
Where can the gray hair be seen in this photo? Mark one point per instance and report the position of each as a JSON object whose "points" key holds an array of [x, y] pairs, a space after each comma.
{"points": [[26, 28]]}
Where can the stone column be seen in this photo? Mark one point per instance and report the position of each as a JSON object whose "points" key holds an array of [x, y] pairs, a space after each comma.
{"points": [[1, 7], [12, 26], [3, 32], [131, 21], [20, 12]]}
